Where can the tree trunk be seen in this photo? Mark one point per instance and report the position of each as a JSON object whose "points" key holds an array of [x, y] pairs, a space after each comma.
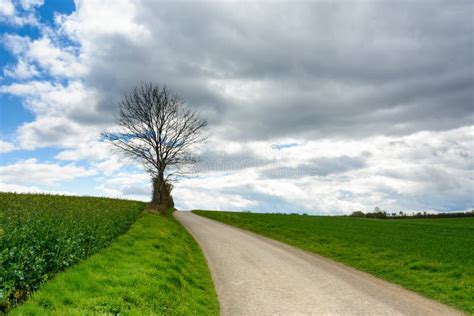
{"points": [[157, 195], [161, 183], [161, 196]]}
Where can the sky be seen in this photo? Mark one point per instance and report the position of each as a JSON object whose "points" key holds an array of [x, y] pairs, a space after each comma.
{"points": [[320, 107]]}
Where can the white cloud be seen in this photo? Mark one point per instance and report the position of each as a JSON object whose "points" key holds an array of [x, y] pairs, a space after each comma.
{"points": [[31, 171], [22, 70], [207, 199], [52, 132], [6, 187], [7, 8], [109, 166], [93, 151], [98, 154], [54, 104], [16, 44], [129, 185], [46, 98], [30, 4], [98, 19], [6, 147], [9, 15], [48, 52], [57, 61]]}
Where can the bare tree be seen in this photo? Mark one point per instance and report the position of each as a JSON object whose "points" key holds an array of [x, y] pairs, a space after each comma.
{"points": [[156, 128]]}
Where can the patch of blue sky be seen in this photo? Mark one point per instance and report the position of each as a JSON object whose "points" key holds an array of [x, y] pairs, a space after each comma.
{"points": [[80, 186], [284, 145], [6, 58], [12, 114], [42, 155], [26, 30], [132, 168], [50, 7]]}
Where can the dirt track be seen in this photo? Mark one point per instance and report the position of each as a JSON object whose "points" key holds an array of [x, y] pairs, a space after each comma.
{"points": [[259, 276]]}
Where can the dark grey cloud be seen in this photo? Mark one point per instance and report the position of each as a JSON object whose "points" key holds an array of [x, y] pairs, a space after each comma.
{"points": [[316, 167], [345, 69], [214, 160], [437, 179]]}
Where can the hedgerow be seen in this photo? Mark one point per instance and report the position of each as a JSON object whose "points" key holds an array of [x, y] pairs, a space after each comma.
{"points": [[41, 235]]}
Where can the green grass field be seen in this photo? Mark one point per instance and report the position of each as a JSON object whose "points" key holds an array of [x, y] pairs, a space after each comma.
{"points": [[156, 268], [434, 257], [41, 235]]}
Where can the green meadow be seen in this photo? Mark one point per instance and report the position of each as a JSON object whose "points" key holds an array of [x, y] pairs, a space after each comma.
{"points": [[434, 257]]}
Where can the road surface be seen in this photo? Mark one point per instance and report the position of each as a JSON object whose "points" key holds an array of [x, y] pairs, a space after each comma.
{"points": [[255, 275]]}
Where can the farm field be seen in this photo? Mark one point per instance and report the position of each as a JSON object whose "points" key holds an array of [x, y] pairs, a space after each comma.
{"points": [[433, 257], [156, 268], [41, 235]]}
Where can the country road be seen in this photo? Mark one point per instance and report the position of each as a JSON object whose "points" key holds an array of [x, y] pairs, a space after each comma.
{"points": [[259, 276]]}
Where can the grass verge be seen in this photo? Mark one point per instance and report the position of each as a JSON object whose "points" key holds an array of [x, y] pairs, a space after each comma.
{"points": [[156, 268], [434, 257]]}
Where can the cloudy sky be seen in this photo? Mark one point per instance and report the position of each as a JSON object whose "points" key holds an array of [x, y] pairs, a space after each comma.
{"points": [[319, 107]]}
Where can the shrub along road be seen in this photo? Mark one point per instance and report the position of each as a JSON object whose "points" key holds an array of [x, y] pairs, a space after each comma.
{"points": [[259, 276]]}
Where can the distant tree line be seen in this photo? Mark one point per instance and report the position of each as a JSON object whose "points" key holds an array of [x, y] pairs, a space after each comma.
{"points": [[378, 213]]}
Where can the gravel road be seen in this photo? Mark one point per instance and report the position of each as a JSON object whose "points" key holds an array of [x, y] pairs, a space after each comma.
{"points": [[259, 276]]}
